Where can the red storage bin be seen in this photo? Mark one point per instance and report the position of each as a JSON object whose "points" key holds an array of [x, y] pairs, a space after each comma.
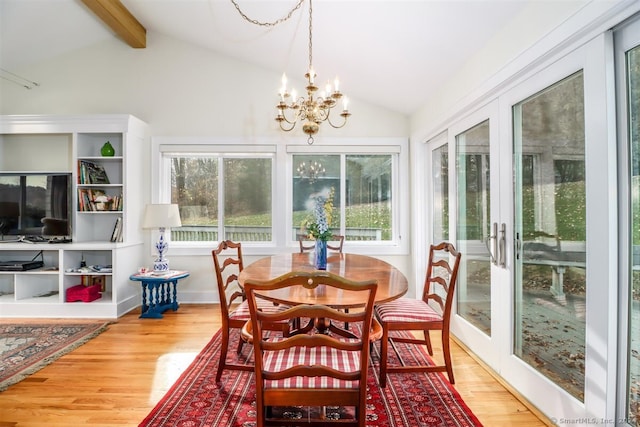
{"points": [[83, 293]]}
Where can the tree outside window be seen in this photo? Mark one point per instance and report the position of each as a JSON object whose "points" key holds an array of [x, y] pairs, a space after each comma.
{"points": [[196, 185]]}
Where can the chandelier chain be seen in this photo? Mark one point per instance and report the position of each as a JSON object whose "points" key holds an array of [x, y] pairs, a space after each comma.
{"points": [[268, 24], [310, 38]]}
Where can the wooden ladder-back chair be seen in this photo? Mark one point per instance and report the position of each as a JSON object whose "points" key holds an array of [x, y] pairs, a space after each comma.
{"points": [[417, 315], [234, 309], [327, 370], [335, 243]]}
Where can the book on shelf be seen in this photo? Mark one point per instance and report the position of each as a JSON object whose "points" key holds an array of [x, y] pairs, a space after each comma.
{"points": [[116, 235], [102, 268], [85, 200], [89, 201], [92, 173], [116, 203]]}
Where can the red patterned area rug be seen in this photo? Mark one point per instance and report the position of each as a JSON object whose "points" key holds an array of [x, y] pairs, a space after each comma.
{"points": [[28, 347], [409, 400]]}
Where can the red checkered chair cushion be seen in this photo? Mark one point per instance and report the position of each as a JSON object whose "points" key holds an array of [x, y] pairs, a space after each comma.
{"points": [[345, 361], [407, 310], [241, 312]]}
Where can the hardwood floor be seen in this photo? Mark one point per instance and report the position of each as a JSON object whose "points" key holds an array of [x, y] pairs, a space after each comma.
{"points": [[118, 377]]}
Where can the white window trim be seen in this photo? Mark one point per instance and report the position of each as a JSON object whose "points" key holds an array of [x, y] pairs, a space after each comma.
{"points": [[283, 201]]}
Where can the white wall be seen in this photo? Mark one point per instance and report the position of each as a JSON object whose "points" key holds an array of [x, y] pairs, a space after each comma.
{"points": [[180, 90], [528, 41]]}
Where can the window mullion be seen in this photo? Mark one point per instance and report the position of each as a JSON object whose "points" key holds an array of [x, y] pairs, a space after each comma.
{"points": [[343, 194], [221, 199]]}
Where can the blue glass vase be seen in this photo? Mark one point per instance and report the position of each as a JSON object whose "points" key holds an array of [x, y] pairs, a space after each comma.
{"points": [[321, 255]]}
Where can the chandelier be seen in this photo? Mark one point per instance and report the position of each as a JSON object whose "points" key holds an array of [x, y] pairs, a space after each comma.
{"points": [[312, 110], [316, 107], [311, 171]]}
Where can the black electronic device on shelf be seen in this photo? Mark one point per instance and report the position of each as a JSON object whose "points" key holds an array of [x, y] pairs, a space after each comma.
{"points": [[22, 265], [60, 240]]}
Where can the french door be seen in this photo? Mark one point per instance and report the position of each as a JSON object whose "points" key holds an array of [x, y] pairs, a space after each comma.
{"points": [[531, 209], [549, 265], [627, 41], [479, 230]]}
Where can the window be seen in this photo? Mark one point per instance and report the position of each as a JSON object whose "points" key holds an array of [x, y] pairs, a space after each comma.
{"points": [[364, 213], [221, 196], [258, 193], [224, 191]]}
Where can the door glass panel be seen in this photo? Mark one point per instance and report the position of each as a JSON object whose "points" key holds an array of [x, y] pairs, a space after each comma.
{"points": [[440, 203], [633, 91], [474, 276], [550, 226]]}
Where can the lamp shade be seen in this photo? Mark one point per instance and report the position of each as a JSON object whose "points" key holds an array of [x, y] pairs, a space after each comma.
{"points": [[161, 216]]}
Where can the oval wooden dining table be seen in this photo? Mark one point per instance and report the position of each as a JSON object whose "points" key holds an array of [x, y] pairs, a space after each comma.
{"points": [[392, 283]]}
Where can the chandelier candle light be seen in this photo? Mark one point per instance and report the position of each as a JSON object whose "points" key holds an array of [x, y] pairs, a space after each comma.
{"points": [[161, 216]]}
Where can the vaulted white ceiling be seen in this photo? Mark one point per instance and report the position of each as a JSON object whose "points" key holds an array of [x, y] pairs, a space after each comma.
{"points": [[387, 52]]}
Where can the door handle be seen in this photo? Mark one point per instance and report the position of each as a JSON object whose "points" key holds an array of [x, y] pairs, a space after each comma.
{"points": [[493, 248], [502, 246]]}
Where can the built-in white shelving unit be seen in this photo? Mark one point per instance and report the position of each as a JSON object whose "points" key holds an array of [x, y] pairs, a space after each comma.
{"points": [[59, 144]]}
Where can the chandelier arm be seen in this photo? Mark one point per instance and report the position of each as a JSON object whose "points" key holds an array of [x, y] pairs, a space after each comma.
{"points": [[293, 125], [283, 116], [267, 24], [322, 114], [343, 123]]}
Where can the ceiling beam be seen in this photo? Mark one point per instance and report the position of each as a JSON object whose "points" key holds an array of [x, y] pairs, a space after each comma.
{"points": [[120, 20]]}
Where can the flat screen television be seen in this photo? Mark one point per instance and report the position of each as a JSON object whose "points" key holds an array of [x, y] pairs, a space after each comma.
{"points": [[35, 204]]}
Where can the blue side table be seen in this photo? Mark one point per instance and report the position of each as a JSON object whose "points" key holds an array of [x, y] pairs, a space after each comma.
{"points": [[159, 293]]}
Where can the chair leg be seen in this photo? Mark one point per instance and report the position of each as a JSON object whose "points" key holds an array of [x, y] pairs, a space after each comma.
{"points": [[384, 352], [446, 350], [427, 339], [224, 346], [240, 344], [361, 411]]}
